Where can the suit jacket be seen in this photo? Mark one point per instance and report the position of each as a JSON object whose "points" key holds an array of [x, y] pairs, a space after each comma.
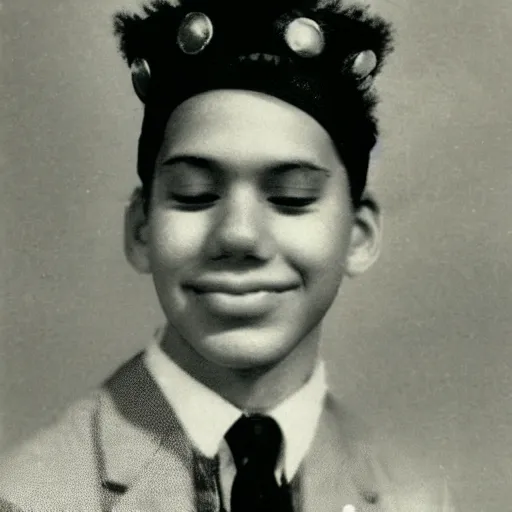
{"points": [[122, 449]]}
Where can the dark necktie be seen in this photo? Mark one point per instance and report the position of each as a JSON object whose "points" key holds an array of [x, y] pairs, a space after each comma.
{"points": [[255, 442]]}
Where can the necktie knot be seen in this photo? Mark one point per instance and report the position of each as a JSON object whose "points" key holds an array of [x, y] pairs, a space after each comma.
{"points": [[255, 439], [255, 443]]}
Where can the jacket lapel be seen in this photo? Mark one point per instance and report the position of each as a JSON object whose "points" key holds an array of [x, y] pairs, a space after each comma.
{"points": [[144, 456]]}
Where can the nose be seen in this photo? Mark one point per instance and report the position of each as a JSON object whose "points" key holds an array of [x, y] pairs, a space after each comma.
{"points": [[241, 229]]}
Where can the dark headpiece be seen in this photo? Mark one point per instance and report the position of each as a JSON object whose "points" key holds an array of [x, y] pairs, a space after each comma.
{"points": [[320, 58]]}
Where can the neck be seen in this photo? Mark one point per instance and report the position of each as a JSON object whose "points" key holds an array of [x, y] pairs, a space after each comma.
{"points": [[253, 390]]}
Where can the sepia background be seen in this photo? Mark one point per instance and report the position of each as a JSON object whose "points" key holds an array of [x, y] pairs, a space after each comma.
{"points": [[422, 344]]}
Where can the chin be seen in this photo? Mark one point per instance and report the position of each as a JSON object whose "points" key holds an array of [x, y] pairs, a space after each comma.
{"points": [[244, 350]]}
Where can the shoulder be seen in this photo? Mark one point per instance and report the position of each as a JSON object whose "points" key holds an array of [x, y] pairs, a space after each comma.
{"points": [[60, 467], [54, 462], [405, 482], [412, 485]]}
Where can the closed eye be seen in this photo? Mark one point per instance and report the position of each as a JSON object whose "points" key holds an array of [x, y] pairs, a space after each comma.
{"points": [[194, 201], [291, 205], [294, 202]]}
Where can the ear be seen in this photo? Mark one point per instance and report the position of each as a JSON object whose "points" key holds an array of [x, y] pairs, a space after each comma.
{"points": [[366, 237], [136, 234]]}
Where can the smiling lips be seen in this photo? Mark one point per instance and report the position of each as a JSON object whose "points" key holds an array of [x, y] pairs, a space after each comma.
{"points": [[240, 299]]}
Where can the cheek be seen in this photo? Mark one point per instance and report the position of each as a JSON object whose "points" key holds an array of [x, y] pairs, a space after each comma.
{"points": [[176, 239], [317, 244]]}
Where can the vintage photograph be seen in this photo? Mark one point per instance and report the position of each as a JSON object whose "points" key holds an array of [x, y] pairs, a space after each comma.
{"points": [[256, 256]]}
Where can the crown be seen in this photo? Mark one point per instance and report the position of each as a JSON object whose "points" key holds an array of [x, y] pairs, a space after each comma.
{"points": [[345, 43]]}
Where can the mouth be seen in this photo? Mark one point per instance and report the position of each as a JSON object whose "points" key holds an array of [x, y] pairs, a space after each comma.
{"points": [[239, 301], [239, 305], [238, 289]]}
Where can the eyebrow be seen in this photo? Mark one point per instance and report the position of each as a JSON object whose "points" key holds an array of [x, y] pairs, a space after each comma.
{"points": [[196, 161], [300, 164], [279, 167]]}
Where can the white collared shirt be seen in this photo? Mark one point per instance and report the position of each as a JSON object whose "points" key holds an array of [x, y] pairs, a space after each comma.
{"points": [[207, 417]]}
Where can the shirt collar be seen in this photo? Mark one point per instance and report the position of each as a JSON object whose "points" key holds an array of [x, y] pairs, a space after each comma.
{"points": [[297, 416]]}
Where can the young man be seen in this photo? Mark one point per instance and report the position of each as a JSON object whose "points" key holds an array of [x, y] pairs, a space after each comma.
{"points": [[253, 158]]}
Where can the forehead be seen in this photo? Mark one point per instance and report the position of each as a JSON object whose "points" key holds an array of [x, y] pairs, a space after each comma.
{"points": [[233, 126]]}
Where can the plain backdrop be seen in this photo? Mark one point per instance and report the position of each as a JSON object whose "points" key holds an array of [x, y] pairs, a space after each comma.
{"points": [[422, 344]]}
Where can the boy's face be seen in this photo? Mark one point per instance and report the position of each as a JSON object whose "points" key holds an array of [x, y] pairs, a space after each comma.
{"points": [[249, 229]]}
